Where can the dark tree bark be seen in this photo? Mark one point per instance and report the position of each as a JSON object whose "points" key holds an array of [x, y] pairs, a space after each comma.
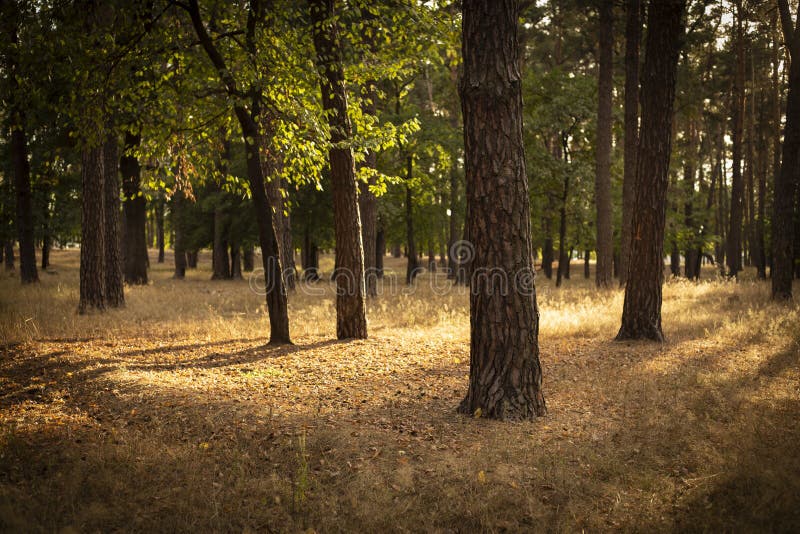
{"points": [[563, 261], [505, 375], [236, 260], [734, 244], [93, 232], [787, 180], [547, 248], [690, 253], [160, 229], [248, 258], [283, 230], [248, 121], [586, 255], [351, 320], [633, 36], [762, 151], [309, 257], [21, 167], [367, 202], [641, 316], [605, 232], [191, 259], [115, 291], [134, 209]]}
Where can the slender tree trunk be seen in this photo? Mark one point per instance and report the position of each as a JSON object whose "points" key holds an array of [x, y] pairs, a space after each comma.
{"points": [[135, 214], [562, 231], [47, 238], [93, 231], [8, 257], [586, 255], [641, 316], [547, 248], [115, 292], [191, 259], [221, 267], [605, 232], [380, 250], [351, 321], [160, 229], [412, 266], [787, 180], [734, 255], [505, 374], [236, 260], [178, 243], [248, 258]]}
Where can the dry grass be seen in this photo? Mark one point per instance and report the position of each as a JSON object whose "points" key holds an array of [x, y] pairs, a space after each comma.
{"points": [[173, 415]]}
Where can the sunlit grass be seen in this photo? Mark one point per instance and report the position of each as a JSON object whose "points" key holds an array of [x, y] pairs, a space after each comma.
{"points": [[172, 414]]}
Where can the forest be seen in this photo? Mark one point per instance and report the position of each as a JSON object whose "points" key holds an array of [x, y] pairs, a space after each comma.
{"points": [[399, 265]]}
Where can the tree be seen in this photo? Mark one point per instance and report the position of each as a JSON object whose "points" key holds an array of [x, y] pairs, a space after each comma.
{"points": [[605, 232], [734, 255], [641, 315], [505, 375], [115, 292], [351, 320], [633, 36], [135, 213], [248, 110], [787, 180], [93, 231]]}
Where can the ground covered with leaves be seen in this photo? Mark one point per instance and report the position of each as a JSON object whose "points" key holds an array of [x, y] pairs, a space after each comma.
{"points": [[173, 414]]}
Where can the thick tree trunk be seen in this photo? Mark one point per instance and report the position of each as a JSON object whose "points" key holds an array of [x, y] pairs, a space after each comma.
{"points": [[93, 231], [115, 291], [505, 375], [134, 209], [605, 232], [734, 244], [310, 258], [641, 316], [236, 260], [248, 258], [633, 36], [380, 250], [191, 258], [787, 180], [221, 266], [351, 320]]}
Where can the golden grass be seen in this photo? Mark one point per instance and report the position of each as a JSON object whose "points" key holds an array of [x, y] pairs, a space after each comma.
{"points": [[172, 414]]}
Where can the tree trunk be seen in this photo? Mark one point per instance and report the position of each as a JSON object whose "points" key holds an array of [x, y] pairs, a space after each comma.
{"points": [[547, 248], [562, 230], [178, 243], [47, 238], [236, 260], [134, 209], [734, 244], [8, 257], [586, 255], [412, 266], [675, 260], [160, 229], [221, 266], [248, 258], [641, 316], [604, 273], [310, 258], [787, 180], [351, 320], [505, 375], [115, 292], [93, 227], [191, 258], [380, 250], [633, 36]]}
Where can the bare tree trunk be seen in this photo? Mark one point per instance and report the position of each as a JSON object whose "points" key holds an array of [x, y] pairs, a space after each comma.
{"points": [[135, 215], [93, 254], [505, 374], [734, 255], [115, 292], [641, 316], [605, 232]]}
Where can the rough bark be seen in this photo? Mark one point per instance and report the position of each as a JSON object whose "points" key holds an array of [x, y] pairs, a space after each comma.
{"points": [[604, 273], [505, 375], [93, 254], [641, 316], [178, 242], [248, 258], [8, 256], [221, 269], [160, 229], [351, 320], [380, 249], [115, 291], [283, 229], [134, 208], [412, 265], [787, 180]]}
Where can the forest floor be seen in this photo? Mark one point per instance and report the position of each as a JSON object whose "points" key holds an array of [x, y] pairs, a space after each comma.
{"points": [[172, 414]]}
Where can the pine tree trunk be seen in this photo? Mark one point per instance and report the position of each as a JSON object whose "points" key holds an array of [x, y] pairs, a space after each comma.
{"points": [[787, 180], [547, 248], [221, 267], [633, 36], [236, 260], [93, 230], [160, 229], [586, 255], [248, 258], [380, 250], [505, 375], [641, 316], [351, 320], [135, 215], [178, 242], [562, 232], [605, 232], [115, 292], [412, 266], [734, 245]]}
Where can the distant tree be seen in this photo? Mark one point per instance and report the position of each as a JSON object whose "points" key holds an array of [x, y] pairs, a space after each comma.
{"points": [[641, 316], [115, 292], [505, 375], [135, 213], [734, 245], [605, 231]]}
